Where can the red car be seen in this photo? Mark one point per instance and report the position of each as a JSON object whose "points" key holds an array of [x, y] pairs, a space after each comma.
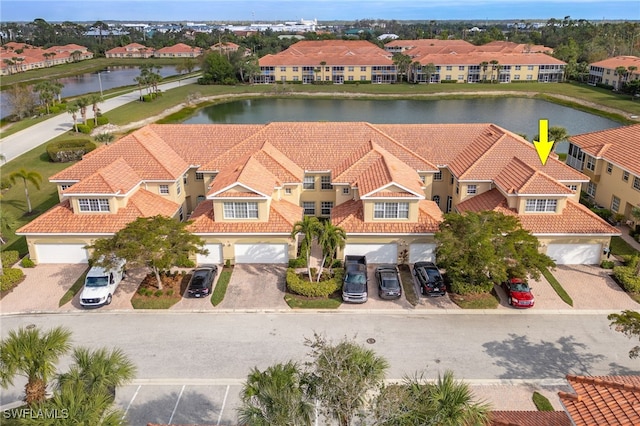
{"points": [[519, 293]]}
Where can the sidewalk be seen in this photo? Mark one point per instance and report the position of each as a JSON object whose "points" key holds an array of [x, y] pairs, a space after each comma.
{"points": [[25, 140]]}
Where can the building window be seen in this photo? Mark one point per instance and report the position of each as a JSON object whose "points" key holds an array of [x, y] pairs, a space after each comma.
{"points": [[615, 204], [295, 78], [451, 181], [199, 176], [184, 179], [309, 208], [350, 78], [609, 168], [449, 67], [199, 199], [636, 183], [346, 190], [541, 205], [309, 182], [363, 69], [529, 76], [295, 69], [178, 187], [625, 176], [591, 163], [287, 191], [516, 77], [460, 77], [436, 199], [391, 210], [65, 186], [449, 203], [240, 210], [457, 188], [573, 187], [363, 78], [530, 67], [350, 69], [518, 67], [423, 179], [283, 69], [448, 78], [461, 68], [325, 208], [181, 214], [437, 176], [93, 204], [164, 189], [472, 189], [591, 189], [325, 182]]}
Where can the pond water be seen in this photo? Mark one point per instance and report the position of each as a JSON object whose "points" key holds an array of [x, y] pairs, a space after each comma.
{"points": [[519, 115], [81, 84]]}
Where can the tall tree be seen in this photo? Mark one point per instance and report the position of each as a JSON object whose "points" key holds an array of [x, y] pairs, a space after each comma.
{"points": [[155, 242], [277, 396], [308, 227], [94, 100], [402, 63], [481, 249], [216, 69], [82, 103], [27, 176], [446, 402], [428, 70], [45, 93], [73, 109], [32, 354], [343, 376], [627, 323], [330, 239]]}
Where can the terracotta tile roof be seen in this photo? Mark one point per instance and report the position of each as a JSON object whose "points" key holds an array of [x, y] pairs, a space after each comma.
{"points": [[385, 170], [519, 178], [619, 61], [179, 48], [529, 418], [248, 172], [575, 218], [350, 216], [427, 42], [387, 194], [61, 219], [115, 178], [475, 58], [331, 52], [619, 145], [232, 194], [282, 216], [279, 164], [603, 400]]}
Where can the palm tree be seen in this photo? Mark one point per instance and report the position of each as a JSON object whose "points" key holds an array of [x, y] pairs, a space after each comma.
{"points": [[428, 70], [94, 100], [494, 66], [308, 226], [330, 238], [105, 138], [277, 396], [451, 403], [27, 176], [29, 353], [82, 104], [73, 109], [558, 134], [621, 71], [484, 65]]}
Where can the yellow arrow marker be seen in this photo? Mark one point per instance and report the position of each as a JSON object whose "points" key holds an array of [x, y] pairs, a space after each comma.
{"points": [[544, 145]]}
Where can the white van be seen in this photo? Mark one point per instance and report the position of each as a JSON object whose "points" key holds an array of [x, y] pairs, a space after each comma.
{"points": [[101, 283]]}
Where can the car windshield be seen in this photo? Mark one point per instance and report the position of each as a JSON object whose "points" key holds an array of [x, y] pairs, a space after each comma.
{"points": [[355, 279], [198, 280], [97, 281], [389, 282], [433, 275], [519, 287]]}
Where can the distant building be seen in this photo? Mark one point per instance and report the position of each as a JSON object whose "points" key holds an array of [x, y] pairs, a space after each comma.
{"points": [[179, 50], [20, 57], [131, 50], [604, 72]]}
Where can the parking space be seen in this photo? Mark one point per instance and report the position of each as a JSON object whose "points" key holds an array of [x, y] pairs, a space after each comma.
{"points": [[197, 303], [374, 301], [256, 286]]}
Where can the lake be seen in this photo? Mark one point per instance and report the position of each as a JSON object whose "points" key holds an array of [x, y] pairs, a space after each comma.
{"points": [[519, 115]]}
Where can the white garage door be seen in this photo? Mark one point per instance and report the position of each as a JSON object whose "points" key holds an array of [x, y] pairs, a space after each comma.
{"points": [[61, 253], [422, 252], [213, 258], [375, 253], [261, 253], [575, 254]]}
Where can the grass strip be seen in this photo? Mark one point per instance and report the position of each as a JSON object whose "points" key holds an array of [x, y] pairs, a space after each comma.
{"points": [[221, 286], [300, 302], [620, 247], [151, 303], [541, 402], [557, 287], [407, 285], [476, 301], [75, 288]]}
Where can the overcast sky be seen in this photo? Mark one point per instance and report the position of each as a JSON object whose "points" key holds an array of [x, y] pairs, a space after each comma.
{"points": [[290, 10]]}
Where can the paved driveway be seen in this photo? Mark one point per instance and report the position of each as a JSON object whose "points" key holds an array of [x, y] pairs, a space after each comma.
{"points": [[256, 286]]}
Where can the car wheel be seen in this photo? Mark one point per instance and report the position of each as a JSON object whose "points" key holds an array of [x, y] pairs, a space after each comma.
{"points": [[422, 290], [511, 301], [108, 302]]}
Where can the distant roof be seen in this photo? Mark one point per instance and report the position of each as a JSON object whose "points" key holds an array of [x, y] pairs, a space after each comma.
{"points": [[619, 145]]}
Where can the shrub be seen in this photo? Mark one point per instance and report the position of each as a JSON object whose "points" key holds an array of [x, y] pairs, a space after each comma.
{"points": [[300, 286], [5, 183], [69, 150], [27, 263], [541, 402], [170, 292], [299, 262], [55, 109], [158, 293], [84, 128], [626, 276], [337, 263], [9, 257], [10, 278], [227, 263], [461, 287], [607, 264], [630, 260], [184, 262], [602, 212], [102, 120]]}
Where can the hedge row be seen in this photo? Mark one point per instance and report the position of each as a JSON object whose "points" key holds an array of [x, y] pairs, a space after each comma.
{"points": [[9, 258], [626, 276], [69, 150], [10, 278], [300, 286]]}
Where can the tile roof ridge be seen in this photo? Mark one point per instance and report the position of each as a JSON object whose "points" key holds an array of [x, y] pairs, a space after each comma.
{"points": [[486, 151], [347, 164], [399, 145], [150, 151], [269, 149]]}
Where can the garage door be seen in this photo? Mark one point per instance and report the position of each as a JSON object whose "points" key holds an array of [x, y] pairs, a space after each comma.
{"points": [[575, 254], [375, 253], [261, 253], [213, 258], [422, 252], [61, 253]]}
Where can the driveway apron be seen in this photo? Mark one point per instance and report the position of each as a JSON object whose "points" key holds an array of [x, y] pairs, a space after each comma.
{"points": [[256, 286]]}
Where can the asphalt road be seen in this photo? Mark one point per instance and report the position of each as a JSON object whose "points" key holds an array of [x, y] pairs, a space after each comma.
{"points": [[18, 143]]}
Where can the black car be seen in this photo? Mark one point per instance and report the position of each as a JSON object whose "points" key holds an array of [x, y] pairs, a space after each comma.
{"points": [[201, 283], [388, 282], [429, 279]]}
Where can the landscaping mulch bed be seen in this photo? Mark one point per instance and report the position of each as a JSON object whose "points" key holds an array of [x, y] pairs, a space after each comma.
{"points": [[149, 296], [476, 301]]}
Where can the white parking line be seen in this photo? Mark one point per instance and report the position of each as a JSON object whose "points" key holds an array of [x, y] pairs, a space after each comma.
{"points": [[224, 401], [176, 407], [131, 402]]}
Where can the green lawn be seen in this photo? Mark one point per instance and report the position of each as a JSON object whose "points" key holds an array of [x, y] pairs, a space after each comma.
{"points": [[476, 301], [620, 247], [75, 288], [300, 302], [557, 287], [221, 286]]}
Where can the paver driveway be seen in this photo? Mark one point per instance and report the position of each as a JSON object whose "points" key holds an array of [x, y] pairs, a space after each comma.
{"points": [[256, 286]]}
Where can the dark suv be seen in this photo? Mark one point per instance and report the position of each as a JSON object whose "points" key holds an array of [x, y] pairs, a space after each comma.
{"points": [[429, 279], [201, 283]]}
